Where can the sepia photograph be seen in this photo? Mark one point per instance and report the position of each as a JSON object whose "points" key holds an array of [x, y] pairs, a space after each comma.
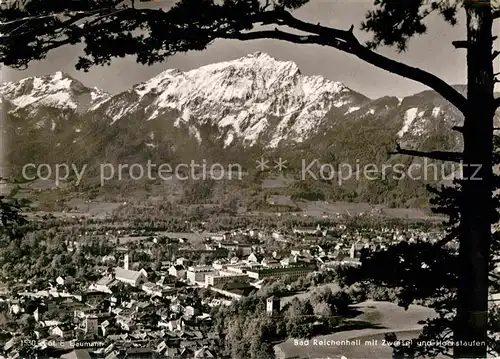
{"points": [[261, 179]]}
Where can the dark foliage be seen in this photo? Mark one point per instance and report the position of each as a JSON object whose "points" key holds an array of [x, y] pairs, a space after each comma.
{"points": [[427, 273]]}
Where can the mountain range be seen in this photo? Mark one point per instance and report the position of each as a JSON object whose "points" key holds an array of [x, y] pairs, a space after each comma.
{"points": [[234, 110]]}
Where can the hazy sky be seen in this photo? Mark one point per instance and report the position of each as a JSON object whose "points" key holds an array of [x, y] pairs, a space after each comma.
{"points": [[432, 52]]}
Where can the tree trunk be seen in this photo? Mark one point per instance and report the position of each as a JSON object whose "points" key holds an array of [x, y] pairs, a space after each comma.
{"points": [[476, 202]]}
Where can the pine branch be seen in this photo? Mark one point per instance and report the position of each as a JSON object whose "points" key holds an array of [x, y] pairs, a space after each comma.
{"points": [[74, 17], [460, 44], [346, 41], [178, 30], [78, 14], [265, 6], [458, 129], [496, 105], [349, 43], [436, 155], [274, 34], [461, 128], [41, 17]]}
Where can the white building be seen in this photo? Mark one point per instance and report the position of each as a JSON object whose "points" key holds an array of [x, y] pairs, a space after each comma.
{"points": [[131, 277], [104, 285], [197, 274], [224, 277], [178, 271]]}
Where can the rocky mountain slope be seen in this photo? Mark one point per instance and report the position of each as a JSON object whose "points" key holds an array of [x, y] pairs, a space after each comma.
{"points": [[230, 110], [246, 98], [58, 91], [252, 100]]}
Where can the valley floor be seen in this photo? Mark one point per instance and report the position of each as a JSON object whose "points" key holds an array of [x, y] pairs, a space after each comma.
{"points": [[388, 316]]}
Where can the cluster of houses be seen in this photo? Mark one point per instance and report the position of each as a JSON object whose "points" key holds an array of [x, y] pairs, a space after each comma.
{"points": [[136, 312], [109, 321]]}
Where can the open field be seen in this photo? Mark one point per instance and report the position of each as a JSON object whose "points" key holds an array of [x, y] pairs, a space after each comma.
{"points": [[99, 210], [103, 204], [193, 239], [387, 316], [322, 208], [318, 209]]}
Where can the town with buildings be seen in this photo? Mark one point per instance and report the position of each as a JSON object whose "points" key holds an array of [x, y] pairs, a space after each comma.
{"points": [[155, 295]]}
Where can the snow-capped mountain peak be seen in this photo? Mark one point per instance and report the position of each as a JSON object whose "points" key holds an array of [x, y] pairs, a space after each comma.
{"points": [[57, 90], [246, 97], [254, 99]]}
